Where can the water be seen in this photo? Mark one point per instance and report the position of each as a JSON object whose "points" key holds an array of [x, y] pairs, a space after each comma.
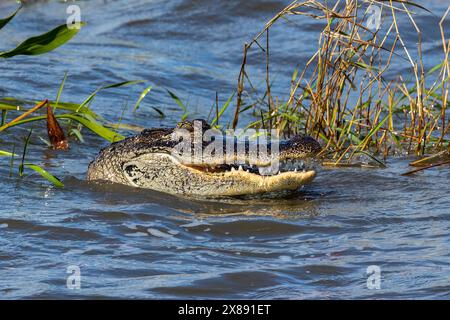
{"points": [[137, 243]]}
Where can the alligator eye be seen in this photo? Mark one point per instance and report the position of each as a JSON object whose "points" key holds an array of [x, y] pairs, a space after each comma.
{"points": [[185, 124], [189, 125]]}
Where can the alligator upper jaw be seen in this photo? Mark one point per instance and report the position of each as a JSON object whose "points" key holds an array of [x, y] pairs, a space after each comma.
{"points": [[262, 169]]}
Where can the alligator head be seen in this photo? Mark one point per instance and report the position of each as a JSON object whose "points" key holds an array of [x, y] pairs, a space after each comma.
{"points": [[203, 166]]}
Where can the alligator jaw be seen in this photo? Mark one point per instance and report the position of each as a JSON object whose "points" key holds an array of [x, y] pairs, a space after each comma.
{"points": [[246, 182], [201, 180]]}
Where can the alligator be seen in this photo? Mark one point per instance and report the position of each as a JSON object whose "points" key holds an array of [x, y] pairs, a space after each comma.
{"points": [[153, 159]]}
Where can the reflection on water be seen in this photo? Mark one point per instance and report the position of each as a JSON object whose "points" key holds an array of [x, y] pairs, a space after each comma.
{"points": [[129, 242]]}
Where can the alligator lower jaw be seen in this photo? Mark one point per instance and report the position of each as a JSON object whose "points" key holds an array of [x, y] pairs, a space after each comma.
{"points": [[252, 182]]}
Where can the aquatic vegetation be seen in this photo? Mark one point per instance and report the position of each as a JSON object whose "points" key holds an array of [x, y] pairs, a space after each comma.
{"points": [[342, 94], [33, 46]]}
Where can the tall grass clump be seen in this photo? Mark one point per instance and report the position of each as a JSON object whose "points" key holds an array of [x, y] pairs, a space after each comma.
{"points": [[341, 94]]}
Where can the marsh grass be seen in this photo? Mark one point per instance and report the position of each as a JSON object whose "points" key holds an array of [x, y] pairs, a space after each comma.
{"points": [[342, 96]]}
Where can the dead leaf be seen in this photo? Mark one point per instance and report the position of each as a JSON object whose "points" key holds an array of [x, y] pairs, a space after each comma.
{"points": [[55, 132]]}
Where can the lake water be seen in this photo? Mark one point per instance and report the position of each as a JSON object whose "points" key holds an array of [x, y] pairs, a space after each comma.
{"points": [[132, 243]]}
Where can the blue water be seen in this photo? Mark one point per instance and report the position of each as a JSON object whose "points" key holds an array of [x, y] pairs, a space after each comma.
{"points": [[132, 243]]}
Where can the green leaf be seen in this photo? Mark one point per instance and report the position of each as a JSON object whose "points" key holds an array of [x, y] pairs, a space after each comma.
{"points": [[4, 21], [162, 115], [222, 110], [27, 141], [6, 153], [121, 84], [43, 43], [371, 133], [96, 127], [383, 165], [78, 134], [8, 103], [45, 174], [91, 124], [179, 103], [61, 88], [141, 97], [114, 85]]}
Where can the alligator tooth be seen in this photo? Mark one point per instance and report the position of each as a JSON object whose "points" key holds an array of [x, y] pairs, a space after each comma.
{"points": [[240, 168], [295, 170], [233, 169]]}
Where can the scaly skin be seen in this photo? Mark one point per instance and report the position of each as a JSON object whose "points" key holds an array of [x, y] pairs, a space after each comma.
{"points": [[147, 160]]}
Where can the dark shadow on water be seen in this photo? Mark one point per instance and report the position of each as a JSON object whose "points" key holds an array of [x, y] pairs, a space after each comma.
{"points": [[298, 204]]}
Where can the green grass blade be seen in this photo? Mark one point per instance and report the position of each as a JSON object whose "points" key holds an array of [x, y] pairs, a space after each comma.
{"points": [[381, 163], [95, 127], [27, 141], [372, 131], [61, 88], [43, 43], [114, 85], [6, 154], [121, 84], [78, 134], [162, 115], [179, 103], [91, 124], [45, 174], [3, 119], [141, 97], [5, 21], [222, 110]]}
